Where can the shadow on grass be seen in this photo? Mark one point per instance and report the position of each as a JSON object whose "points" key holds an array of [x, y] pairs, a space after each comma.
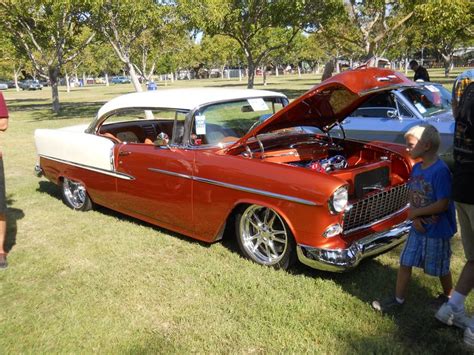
{"points": [[417, 327], [290, 93], [54, 191], [13, 215], [43, 111]]}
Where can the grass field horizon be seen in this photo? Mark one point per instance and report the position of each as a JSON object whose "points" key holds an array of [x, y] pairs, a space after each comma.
{"points": [[102, 282]]}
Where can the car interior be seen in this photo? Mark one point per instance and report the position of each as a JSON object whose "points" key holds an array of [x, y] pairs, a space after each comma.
{"points": [[139, 126]]}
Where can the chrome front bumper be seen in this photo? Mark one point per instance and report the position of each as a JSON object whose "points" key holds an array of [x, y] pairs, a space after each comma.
{"points": [[344, 259]]}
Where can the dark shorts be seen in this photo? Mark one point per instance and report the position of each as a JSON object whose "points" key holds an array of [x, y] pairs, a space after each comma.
{"points": [[3, 199], [433, 255], [466, 222]]}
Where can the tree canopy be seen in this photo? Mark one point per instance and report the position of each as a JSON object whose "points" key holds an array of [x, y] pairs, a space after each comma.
{"points": [[50, 33]]}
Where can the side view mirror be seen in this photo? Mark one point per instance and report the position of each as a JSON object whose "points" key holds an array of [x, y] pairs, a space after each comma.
{"points": [[392, 114], [162, 140]]}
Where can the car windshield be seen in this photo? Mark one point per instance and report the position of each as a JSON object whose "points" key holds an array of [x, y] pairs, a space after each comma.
{"points": [[429, 99], [228, 121]]}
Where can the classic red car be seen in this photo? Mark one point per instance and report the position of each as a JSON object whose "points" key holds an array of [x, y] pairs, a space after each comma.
{"points": [[197, 160]]}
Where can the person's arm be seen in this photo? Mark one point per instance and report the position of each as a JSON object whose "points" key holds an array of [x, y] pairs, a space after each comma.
{"points": [[433, 209], [3, 124]]}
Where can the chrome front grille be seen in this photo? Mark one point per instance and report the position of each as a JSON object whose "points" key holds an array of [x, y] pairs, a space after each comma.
{"points": [[375, 208]]}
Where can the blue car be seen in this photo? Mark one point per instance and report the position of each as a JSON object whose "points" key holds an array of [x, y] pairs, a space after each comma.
{"points": [[388, 115], [120, 80]]}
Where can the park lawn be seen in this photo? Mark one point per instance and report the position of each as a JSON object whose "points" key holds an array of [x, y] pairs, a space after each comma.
{"points": [[103, 282]]}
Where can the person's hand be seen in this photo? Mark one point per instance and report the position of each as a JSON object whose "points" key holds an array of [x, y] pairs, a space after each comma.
{"points": [[418, 225], [412, 214]]}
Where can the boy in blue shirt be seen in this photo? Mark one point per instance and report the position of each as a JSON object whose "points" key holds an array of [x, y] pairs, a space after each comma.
{"points": [[432, 212]]}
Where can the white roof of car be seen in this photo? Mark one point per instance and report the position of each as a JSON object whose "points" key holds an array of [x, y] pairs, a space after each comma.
{"points": [[185, 99]]}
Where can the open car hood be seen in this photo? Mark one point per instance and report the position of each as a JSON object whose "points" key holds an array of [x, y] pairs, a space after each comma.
{"points": [[331, 101]]}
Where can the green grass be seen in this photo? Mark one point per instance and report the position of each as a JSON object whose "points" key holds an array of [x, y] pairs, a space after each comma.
{"points": [[102, 282]]}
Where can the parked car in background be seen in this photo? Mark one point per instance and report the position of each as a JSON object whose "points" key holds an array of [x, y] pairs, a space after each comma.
{"points": [[30, 85], [186, 160], [3, 85], [120, 80], [388, 115]]}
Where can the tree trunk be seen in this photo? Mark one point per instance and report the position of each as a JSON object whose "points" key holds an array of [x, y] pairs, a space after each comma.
{"points": [[251, 74], [276, 70], [447, 59], [328, 70], [107, 79], [15, 78], [53, 74], [68, 87], [133, 76]]}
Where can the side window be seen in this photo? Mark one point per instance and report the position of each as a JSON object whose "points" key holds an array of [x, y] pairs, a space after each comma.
{"points": [[136, 125], [177, 135], [377, 106], [403, 111]]}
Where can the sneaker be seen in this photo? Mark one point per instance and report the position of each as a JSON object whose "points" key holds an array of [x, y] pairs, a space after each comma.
{"points": [[3, 261], [469, 337], [447, 315], [386, 304], [439, 301]]}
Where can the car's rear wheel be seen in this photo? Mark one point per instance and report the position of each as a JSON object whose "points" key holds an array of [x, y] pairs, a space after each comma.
{"points": [[264, 237], [75, 195]]}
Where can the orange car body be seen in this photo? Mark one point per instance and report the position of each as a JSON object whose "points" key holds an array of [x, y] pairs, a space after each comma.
{"points": [[195, 188]]}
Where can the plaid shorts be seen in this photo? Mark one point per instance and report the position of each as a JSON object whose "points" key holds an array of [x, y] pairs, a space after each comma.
{"points": [[433, 255]]}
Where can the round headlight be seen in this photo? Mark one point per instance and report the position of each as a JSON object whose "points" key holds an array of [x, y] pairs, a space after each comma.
{"points": [[339, 199]]}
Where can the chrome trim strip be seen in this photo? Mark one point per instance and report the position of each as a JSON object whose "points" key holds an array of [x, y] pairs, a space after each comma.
{"points": [[258, 192], [377, 221], [166, 172], [340, 260], [237, 187], [91, 168]]}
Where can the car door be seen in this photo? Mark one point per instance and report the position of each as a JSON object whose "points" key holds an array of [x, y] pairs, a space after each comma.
{"points": [[160, 189], [383, 117]]}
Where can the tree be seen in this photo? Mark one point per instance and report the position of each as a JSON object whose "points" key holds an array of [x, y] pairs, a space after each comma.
{"points": [[132, 27], [249, 22], [50, 32], [445, 25], [12, 60], [218, 51], [365, 25]]}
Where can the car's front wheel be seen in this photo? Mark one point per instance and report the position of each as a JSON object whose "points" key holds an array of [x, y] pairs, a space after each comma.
{"points": [[264, 237], [75, 195]]}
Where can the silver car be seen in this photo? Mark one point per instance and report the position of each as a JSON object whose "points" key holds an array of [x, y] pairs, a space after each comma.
{"points": [[30, 85], [388, 115]]}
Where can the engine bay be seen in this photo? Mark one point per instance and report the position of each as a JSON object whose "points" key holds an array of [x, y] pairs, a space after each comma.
{"points": [[365, 167]]}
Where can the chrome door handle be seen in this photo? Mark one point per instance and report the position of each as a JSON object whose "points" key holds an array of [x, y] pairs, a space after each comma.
{"points": [[124, 153]]}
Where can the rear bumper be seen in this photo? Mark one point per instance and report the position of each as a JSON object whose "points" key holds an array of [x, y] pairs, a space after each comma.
{"points": [[38, 171], [339, 260]]}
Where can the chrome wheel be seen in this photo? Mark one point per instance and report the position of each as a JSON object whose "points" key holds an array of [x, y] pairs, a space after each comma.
{"points": [[75, 195], [263, 235]]}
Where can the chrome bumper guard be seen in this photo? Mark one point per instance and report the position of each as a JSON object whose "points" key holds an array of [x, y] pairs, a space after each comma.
{"points": [[340, 260], [38, 171]]}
